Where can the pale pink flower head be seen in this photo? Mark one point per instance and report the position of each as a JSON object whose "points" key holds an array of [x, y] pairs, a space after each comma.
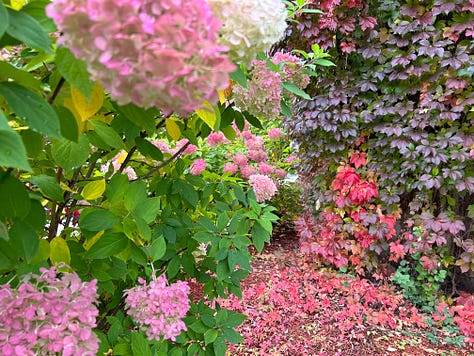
{"points": [[230, 168], [258, 155], [274, 133], [215, 138], [161, 54], [263, 186], [247, 135], [158, 308], [290, 159], [162, 146], [240, 159], [264, 168], [247, 171], [190, 148], [197, 166], [48, 314], [292, 69]]}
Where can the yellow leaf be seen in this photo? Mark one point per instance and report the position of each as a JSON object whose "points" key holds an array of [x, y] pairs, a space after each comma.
{"points": [[173, 129], [59, 251], [93, 190], [43, 252], [88, 244], [66, 188], [221, 96], [86, 108], [17, 4], [207, 114]]}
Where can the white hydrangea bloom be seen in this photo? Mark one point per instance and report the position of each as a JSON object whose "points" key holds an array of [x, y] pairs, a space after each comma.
{"points": [[249, 26]]}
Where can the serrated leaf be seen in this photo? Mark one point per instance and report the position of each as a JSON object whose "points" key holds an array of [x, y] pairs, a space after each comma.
{"points": [[324, 62], [210, 336], [74, 71], [15, 201], [9, 72], [95, 219], [173, 129], [292, 88], [4, 20], [140, 345], [108, 134], [24, 236], [239, 77], [259, 236], [94, 189], [31, 108], [68, 154], [158, 248], [59, 251], [48, 186], [12, 149], [108, 245], [25, 28]]}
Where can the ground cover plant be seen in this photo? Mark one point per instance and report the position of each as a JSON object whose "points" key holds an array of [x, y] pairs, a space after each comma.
{"points": [[144, 163]]}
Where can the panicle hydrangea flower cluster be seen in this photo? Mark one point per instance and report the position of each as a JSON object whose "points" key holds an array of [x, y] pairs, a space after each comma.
{"points": [[49, 314], [158, 307], [116, 162], [263, 186], [197, 166], [292, 70], [262, 97], [150, 53], [249, 26]]}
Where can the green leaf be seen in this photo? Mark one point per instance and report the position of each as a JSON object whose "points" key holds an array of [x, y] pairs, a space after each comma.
{"points": [[147, 149], [232, 336], [94, 219], [324, 62], [219, 346], [108, 244], [43, 252], [135, 195], [31, 108], [74, 71], [292, 88], [24, 237], [15, 201], [148, 209], [158, 248], [4, 262], [59, 251], [210, 336], [68, 154], [239, 76], [36, 216], [108, 134], [48, 186], [12, 150], [69, 128], [143, 118], [25, 28], [8, 71], [173, 267], [116, 188], [233, 320], [254, 121], [33, 142], [4, 20], [140, 346], [259, 236]]}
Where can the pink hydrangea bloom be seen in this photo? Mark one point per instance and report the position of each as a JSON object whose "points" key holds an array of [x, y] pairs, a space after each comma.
{"points": [[189, 150], [197, 166], [255, 143], [258, 155], [158, 307], [292, 70], [290, 159], [215, 138], [247, 135], [264, 168], [230, 168], [49, 314], [247, 171], [240, 159], [262, 97], [151, 53], [274, 133], [263, 186], [162, 146]]}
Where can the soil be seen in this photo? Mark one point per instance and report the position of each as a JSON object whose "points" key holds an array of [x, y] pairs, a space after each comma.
{"points": [[283, 253]]}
